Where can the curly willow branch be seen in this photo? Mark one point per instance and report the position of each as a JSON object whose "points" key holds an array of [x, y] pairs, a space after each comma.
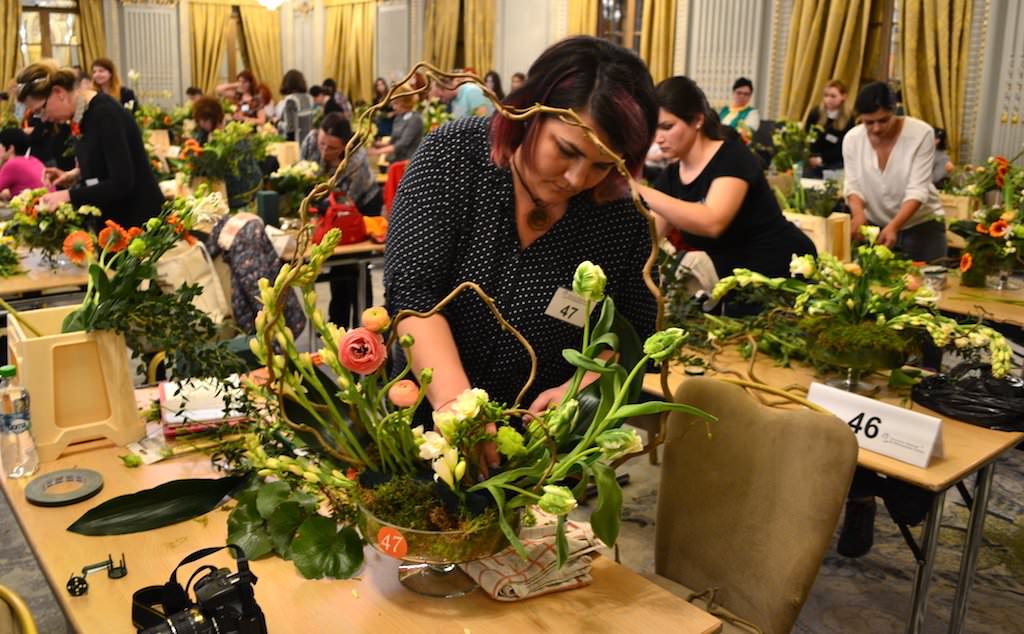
{"points": [[362, 133]]}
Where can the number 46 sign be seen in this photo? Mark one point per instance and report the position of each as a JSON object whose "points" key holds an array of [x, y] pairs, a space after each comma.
{"points": [[883, 428]]}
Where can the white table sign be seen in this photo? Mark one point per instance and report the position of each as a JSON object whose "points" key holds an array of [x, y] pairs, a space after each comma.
{"points": [[883, 428], [568, 307]]}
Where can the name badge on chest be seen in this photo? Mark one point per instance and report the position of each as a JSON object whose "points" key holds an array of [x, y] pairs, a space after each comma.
{"points": [[568, 307], [831, 138]]}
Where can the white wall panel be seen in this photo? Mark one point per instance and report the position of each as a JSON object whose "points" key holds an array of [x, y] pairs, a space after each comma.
{"points": [[394, 44], [151, 47], [522, 32], [724, 40]]}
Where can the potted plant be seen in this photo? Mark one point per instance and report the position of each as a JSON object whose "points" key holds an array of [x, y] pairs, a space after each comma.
{"points": [[813, 211], [866, 314]]}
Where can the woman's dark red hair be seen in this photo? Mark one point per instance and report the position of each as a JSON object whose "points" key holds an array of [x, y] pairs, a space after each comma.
{"points": [[608, 83]]}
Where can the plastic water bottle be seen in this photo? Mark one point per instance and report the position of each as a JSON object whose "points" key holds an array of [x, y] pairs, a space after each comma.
{"points": [[17, 448]]}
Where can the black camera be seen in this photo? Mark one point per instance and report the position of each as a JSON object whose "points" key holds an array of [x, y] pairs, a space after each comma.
{"points": [[225, 603]]}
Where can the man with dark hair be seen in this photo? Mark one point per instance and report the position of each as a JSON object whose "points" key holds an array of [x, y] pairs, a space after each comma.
{"points": [[18, 170], [193, 93]]}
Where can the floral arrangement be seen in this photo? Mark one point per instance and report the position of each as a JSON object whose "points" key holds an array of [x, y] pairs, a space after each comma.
{"points": [[36, 226], [809, 200], [995, 237], [435, 114], [791, 145], [224, 151], [10, 263], [877, 301], [294, 182], [998, 173], [122, 293], [336, 427]]}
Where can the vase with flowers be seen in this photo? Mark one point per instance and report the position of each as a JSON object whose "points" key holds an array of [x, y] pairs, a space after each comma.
{"points": [[38, 227], [867, 314]]}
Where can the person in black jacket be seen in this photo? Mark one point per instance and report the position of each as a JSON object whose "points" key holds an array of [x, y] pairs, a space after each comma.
{"points": [[105, 80], [113, 170], [835, 120]]}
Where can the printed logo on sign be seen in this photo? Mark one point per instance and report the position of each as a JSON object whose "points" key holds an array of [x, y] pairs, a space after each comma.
{"points": [[391, 542]]}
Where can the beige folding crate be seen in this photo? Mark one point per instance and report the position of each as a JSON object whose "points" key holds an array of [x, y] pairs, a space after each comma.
{"points": [[829, 235], [79, 383]]}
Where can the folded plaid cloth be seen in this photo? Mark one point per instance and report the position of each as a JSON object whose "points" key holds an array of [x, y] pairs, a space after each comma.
{"points": [[508, 577]]}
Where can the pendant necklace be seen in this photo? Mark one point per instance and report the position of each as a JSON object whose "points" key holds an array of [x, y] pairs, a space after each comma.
{"points": [[539, 217]]}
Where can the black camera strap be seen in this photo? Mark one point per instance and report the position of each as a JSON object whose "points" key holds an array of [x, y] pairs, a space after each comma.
{"points": [[172, 597]]}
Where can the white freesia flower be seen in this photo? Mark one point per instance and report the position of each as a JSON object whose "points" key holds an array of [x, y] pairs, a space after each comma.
{"points": [[444, 422], [133, 75], [448, 467], [870, 233], [802, 265], [433, 445], [467, 405]]}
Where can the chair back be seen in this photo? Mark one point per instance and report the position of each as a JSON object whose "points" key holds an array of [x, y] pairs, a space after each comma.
{"points": [[15, 617], [751, 508], [395, 173]]}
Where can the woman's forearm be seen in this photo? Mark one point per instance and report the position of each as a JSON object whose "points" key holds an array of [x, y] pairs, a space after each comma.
{"points": [[906, 212], [435, 348]]}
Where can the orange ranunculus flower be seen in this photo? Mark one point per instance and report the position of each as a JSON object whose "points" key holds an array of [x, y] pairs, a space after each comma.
{"points": [[965, 262], [134, 232], [114, 238], [998, 229], [981, 228], [78, 246]]}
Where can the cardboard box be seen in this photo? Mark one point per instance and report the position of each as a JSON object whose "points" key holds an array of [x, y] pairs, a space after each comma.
{"points": [[829, 235], [79, 383]]}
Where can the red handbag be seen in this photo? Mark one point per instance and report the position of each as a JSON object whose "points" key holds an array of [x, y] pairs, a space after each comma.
{"points": [[341, 215]]}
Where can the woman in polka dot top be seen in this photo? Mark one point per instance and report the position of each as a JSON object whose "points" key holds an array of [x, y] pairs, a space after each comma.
{"points": [[515, 207]]}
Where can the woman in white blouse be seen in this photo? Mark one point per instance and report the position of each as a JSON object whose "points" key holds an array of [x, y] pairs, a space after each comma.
{"points": [[888, 170]]}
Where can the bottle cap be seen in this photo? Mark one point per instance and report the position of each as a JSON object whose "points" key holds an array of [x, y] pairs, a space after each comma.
{"points": [[7, 371]]}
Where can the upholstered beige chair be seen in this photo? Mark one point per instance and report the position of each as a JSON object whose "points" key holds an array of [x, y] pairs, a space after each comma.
{"points": [[14, 615], [749, 511]]}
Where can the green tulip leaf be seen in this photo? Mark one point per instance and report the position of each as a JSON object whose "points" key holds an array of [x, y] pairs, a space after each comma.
{"points": [[580, 360], [248, 531], [608, 513], [561, 542], [271, 496], [321, 550], [160, 506], [657, 407], [282, 525]]}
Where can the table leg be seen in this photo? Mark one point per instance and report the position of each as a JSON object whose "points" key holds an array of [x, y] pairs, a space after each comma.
{"points": [[972, 543], [363, 280], [923, 578]]}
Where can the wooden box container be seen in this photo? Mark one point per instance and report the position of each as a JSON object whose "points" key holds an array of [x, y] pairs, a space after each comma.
{"points": [[79, 383], [829, 235]]}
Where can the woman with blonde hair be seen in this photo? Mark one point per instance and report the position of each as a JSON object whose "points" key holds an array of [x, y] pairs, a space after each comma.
{"points": [[113, 171], [835, 120], [106, 80]]}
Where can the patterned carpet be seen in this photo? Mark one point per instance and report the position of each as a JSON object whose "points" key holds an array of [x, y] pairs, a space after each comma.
{"points": [[872, 594]]}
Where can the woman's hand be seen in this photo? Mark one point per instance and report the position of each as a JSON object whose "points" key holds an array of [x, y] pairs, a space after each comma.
{"points": [[857, 220], [56, 199], [549, 397], [814, 161], [888, 235]]}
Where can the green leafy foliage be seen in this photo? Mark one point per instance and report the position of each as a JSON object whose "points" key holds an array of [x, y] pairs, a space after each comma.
{"points": [[320, 549]]}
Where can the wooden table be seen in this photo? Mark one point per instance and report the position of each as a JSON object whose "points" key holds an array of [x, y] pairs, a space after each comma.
{"points": [[967, 449], [619, 600], [1004, 307], [359, 253], [39, 278]]}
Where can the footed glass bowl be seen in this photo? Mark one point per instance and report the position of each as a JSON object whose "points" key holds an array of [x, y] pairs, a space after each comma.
{"points": [[430, 558], [857, 362]]}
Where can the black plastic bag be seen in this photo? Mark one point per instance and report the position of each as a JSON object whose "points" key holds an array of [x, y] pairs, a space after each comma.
{"points": [[971, 394]]}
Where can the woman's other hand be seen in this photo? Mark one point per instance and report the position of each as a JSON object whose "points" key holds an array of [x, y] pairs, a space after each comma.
{"points": [[888, 235], [56, 199]]}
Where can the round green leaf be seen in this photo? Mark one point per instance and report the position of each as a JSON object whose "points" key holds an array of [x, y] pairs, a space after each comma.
{"points": [[282, 526], [321, 550], [247, 530], [270, 496]]}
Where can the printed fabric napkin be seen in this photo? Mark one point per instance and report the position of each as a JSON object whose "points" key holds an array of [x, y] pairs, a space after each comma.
{"points": [[508, 577]]}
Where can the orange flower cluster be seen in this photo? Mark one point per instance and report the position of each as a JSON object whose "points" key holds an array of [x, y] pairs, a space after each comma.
{"points": [[168, 120], [965, 262], [997, 229], [1002, 167], [180, 229], [190, 148]]}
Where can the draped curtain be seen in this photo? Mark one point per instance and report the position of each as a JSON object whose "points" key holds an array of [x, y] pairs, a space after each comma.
{"points": [[442, 34], [658, 37], [209, 27], [478, 34], [828, 39], [262, 32], [934, 44], [351, 27], [10, 58], [91, 31], [582, 17]]}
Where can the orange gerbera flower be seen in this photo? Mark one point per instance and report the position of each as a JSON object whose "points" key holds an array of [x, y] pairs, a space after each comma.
{"points": [[998, 229], [965, 262], [78, 246], [134, 232], [981, 228], [114, 238], [167, 120]]}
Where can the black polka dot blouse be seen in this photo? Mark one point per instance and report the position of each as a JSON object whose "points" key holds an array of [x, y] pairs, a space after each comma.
{"points": [[453, 220]]}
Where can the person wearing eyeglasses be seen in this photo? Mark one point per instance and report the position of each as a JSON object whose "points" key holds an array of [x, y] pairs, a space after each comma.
{"points": [[888, 161], [112, 170], [740, 114]]}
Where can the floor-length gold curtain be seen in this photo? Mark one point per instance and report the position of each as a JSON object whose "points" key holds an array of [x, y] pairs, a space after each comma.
{"points": [[827, 40], [658, 37], [351, 28], [582, 17], [262, 32], [934, 43], [478, 34], [10, 59], [442, 34], [209, 27], [93, 35]]}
